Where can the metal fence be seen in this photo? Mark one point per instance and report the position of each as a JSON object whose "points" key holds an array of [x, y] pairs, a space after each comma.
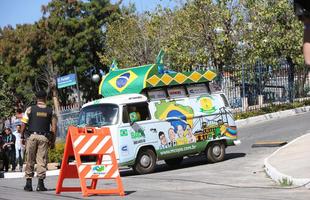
{"points": [[66, 118], [252, 87]]}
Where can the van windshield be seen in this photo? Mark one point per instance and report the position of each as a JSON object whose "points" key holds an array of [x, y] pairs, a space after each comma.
{"points": [[98, 115]]}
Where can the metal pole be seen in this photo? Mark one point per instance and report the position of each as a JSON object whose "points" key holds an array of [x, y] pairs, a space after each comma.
{"points": [[77, 87], [243, 84]]}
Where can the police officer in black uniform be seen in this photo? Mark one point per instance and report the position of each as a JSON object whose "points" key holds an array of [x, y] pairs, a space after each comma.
{"points": [[41, 123]]}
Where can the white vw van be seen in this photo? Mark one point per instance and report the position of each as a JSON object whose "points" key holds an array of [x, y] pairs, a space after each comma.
{"points": [[164, 123]]}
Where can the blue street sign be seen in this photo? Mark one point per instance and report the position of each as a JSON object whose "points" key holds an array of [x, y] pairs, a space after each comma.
{"points": [[65, 81]]}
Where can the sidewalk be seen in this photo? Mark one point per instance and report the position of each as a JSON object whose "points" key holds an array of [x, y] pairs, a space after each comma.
{"points": [[52, 171], [290, 164]]}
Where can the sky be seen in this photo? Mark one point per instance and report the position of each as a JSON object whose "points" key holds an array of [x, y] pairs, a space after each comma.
{"points": [[28, 11]]}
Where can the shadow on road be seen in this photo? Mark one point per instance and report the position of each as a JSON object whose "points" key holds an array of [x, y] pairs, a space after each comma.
{"points": [[229, 156], [188, 162]]}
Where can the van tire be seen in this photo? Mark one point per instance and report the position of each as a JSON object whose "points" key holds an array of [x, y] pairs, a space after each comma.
{"points": [[215, 151], [174, 162], [145, 162]]}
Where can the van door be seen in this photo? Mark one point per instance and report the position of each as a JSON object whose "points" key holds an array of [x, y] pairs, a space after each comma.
{"points": [[142, 131]]}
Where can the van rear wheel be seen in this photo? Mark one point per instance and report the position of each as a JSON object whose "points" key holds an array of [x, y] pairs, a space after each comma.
{"points": [[145, 162], [174, 162], [215, 151]]}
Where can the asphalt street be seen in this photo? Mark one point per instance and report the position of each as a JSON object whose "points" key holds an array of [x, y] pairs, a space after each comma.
{"points": [[240, 176]]}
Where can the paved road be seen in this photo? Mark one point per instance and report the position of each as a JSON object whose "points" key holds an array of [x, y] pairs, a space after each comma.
{"points": [[240, 176]]}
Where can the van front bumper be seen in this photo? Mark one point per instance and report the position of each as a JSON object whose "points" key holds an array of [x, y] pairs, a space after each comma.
{"points": [[237, 142]]}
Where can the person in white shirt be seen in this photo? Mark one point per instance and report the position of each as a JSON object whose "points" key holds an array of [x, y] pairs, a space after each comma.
{"points": [[19, 147]]}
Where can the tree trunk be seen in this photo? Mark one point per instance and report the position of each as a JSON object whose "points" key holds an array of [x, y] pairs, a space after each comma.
{"points": [[55, 100]]}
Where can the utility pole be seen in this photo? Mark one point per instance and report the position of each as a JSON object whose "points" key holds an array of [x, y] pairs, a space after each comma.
{"points": [[77, 87]]}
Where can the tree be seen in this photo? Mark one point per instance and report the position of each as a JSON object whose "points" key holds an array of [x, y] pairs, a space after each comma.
{"points": [[275, 32], [189, 35], [76, 33], [19, 49], [275, 37], [6, 101], [135, 39], [69, 34]]}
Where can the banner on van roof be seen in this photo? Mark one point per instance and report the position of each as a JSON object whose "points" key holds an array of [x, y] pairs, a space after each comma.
{"points": [[134, 80]]}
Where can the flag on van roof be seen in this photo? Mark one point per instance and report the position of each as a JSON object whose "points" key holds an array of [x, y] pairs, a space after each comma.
{"points": [[134, 80], [125, 81], [113, 66]]}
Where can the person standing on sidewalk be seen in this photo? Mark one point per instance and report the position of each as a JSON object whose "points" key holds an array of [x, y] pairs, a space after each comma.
{"points": [[2, 157], [41, 123], [19, 148], [9, 149]]}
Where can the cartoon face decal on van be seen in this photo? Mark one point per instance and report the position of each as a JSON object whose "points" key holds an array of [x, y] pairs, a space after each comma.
{"points": [[163, 140], [206, 104], [183, 129], [180, 118]]}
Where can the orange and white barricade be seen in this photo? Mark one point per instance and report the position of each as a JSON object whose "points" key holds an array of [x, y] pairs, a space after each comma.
{"points": [[89, 142]]}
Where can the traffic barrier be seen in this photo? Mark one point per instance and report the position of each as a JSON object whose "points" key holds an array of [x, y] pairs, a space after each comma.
{"points": [[89, 142]]}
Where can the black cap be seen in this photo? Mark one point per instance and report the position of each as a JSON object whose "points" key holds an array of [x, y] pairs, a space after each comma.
{"points": [[41, 94]]}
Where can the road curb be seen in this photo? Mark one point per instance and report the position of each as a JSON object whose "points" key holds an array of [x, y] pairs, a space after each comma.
{"points": [[22, 174], [277, 176], [270, 116]]}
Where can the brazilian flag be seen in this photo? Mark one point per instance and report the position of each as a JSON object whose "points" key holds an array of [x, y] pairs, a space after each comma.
{"points": [[175, 113], [125, 81]]}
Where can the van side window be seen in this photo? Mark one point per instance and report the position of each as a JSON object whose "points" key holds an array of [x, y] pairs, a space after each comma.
{"points": [[141, 111], [125, 115]]}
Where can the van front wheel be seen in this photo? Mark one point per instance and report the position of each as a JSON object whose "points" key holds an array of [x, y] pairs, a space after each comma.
{"points": [[145, 162], [215, 152]]}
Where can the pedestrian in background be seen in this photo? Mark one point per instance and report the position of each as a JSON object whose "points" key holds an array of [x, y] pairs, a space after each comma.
{"points": [[9, 149], [41, 123], [19, 147], [1, 152]]}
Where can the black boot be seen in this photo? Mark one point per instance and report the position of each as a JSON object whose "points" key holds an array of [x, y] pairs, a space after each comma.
{"points": [[28, 186], [41, 186]]}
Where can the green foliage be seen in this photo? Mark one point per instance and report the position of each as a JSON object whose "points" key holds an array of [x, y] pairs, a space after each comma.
{"points": [[196, 34], [275, 32], [134, 39], [271, 108], [204, 33], [18, 51], [56, 154], [70, 33], [6, 101], [75, 33]]}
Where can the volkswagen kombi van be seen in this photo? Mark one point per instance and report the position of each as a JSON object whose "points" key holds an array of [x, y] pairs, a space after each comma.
{"points": [[161, 116]]}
